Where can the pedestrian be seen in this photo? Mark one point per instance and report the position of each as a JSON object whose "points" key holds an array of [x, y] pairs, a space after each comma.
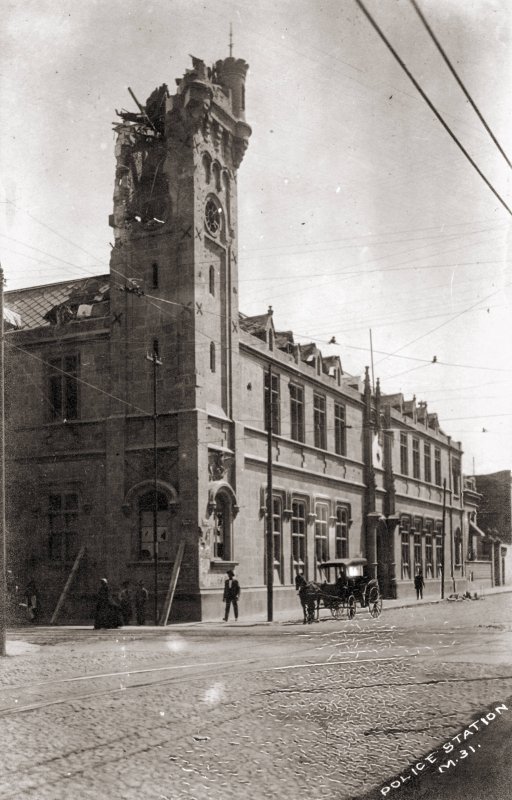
{"points": [[141, 596], [107, 614], [419, 585], [231, 594], [125, 602], [32, 601]]}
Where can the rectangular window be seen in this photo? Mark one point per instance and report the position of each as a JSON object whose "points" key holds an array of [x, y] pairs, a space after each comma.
{"points": [[428, 556], [456, 475], [404, 455], [418, 561], [341, 542], [437, 466], [275, 399], [298, 538], [319, 421], [458, 547], [340, 429], [277, 514], [406, 555], [63, 388], [427, 462], [439, 549], [415, 458], [63, 526], [297, 412], [321, 534]]}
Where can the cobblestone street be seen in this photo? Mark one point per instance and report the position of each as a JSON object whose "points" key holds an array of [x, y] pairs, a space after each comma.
{"points": [[325, 711]]}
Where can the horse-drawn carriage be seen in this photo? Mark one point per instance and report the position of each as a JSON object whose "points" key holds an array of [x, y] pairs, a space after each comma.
{"points": [[349, 586]]}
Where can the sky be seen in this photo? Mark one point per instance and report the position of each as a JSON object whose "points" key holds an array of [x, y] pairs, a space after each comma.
{"points": [[357, 211]]}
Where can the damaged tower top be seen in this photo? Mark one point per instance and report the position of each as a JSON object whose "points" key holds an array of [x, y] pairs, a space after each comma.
{"points": [[205, 118]]}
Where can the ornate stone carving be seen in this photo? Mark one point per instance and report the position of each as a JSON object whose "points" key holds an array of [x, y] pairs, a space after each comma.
{"points": [[218, 464]]}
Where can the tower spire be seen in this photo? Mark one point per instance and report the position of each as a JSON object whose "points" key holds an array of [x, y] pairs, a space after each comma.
{"points": [[230, 39]]}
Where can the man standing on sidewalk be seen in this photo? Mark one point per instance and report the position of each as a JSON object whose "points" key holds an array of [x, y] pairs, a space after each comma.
{"points": [[419, 585], [231, 594]]}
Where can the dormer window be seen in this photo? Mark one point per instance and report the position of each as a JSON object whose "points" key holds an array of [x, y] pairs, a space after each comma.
{"points": [[270, 339]]}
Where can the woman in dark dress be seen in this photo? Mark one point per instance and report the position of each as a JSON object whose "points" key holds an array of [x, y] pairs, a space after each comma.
{"points": [[107, 613]]}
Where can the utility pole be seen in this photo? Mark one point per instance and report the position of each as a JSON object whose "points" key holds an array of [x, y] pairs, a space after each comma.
{"points": [[3, 549], [156, 363], [443, 538], [270, 504]]}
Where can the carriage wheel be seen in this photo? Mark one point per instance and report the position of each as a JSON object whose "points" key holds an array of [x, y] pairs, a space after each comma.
{"points": [[337, 611], [351, 607], [374, 602]]}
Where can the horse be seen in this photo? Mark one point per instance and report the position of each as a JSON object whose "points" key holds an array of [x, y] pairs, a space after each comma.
{"points": [[309, 596]]}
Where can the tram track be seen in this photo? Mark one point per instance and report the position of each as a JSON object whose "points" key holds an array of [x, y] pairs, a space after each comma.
{"points": [[200, 672], [389, 646]]}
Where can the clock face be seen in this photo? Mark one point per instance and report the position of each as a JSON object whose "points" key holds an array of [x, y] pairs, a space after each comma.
{"points": [[213, 216]]}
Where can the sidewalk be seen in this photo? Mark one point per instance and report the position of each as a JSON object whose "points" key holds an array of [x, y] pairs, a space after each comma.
{"points": [[18, 645], [287, 616]]}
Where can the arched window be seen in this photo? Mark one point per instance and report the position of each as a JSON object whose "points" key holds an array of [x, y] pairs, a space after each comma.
{"points": [[149, 512], [212, 356], [216, 176], [212, 280], [222, 532], [207, 167]]}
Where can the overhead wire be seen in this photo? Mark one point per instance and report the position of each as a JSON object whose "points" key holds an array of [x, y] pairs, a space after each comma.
{"points": [[169, 302], [23, 350], [432, 107], [458, 79], [433, 330]]}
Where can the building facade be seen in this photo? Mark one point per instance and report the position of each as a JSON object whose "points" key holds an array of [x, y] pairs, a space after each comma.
{"points": [[137, 405], [495, 520]]}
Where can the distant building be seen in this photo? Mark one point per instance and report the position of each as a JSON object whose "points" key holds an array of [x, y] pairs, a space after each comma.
{"points": [[355, 472], [495, 519]]}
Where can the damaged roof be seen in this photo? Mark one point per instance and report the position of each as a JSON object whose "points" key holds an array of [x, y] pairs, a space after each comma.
{"points": [[255, 325], [12, 320], [58, 303]]}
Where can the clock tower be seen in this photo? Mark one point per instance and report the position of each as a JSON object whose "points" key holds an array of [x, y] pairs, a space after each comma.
{"points": [[174, 261]]}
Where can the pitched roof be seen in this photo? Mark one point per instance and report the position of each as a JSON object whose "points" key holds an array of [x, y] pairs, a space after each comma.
{"points": [[40, 306], [255, 325]]}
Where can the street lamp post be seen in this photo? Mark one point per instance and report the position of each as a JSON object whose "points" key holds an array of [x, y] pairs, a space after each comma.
{"points": [[156, 363]]}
